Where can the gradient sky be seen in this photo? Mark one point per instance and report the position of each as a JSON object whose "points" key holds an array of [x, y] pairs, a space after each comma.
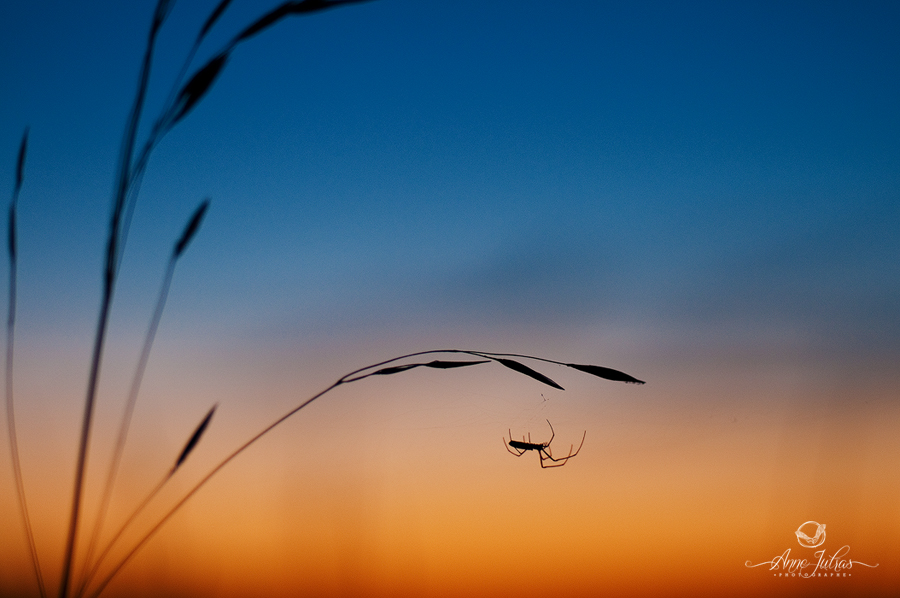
{"points": [[705, 195]]}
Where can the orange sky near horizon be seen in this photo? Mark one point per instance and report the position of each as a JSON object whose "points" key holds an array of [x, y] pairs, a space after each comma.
{"points": [[400, 486]]}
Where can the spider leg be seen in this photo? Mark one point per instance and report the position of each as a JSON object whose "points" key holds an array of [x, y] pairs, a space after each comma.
{"points": [[552, 433], [515, 452], [583, 436], [547, 454]]}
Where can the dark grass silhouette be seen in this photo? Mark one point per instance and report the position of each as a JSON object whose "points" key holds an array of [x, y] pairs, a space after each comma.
{"points": [[132, 164], [10, 343]]}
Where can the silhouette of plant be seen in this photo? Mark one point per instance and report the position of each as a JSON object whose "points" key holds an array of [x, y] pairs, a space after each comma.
{"points": [[185, 94]]}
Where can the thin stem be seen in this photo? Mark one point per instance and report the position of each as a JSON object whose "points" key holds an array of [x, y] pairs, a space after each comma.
{"points": [[354, 376], [83, 444], [126, 420], [10, 405], [156, 135], [202, 483], [121, 192], [137, 511]]}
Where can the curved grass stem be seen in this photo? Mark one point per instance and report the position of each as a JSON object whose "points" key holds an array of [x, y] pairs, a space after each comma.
{"points": [[354, 376]]}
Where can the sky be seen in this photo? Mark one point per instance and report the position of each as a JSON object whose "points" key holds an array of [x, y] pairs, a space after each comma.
{"points": [[705, 195]]}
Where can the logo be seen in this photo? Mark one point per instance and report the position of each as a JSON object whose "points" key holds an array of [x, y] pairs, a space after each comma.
{"points": [[818, 531], [822, 563]]}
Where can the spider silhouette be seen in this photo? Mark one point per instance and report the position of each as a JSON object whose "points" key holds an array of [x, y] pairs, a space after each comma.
{"points": [[520, 447]]}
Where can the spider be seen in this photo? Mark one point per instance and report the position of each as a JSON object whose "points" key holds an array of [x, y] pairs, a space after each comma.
{"points": [[519, 447]]}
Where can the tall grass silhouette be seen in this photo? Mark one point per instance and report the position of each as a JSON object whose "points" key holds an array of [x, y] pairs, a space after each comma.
{"points": [[99, 565]]}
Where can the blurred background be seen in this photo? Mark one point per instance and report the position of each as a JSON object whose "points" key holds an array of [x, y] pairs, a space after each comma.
{"points": [[703, 195]]}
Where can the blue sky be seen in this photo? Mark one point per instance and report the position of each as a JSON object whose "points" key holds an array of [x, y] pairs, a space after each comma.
{"points": [[563, 163], [645, 161]]}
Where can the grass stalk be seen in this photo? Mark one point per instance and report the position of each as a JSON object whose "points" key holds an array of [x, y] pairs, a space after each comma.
{"points": [[354, 376], [185, 452], [125, 423], [10, 346], [91, 571], [123, 177], [128, 176]]}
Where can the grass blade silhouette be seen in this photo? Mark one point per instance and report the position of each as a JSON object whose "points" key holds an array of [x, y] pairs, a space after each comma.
{"points": [[594, 370], [605, 373], [198, 86], [194, 439], [185, 452], [10, 345], [211, 20], [284, 10], [181, 244], [524, 369], [20, 166], [444, 365], [190, 229]]}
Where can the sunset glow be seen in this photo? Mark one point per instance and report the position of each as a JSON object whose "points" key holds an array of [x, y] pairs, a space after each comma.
{"points": [[703, 196]]}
